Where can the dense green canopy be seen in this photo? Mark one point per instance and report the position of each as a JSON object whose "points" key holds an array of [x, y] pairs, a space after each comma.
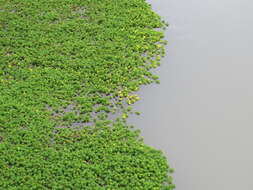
{"points": [[69, 73]]}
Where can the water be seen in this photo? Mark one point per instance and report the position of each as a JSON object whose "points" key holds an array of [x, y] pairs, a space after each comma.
{"points": [[201, 115]]}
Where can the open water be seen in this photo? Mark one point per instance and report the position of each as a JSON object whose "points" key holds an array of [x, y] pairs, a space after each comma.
{"points": [[201, 115]]}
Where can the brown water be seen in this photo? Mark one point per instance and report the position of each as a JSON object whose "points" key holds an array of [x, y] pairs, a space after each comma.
{"points": [[201, 115]]}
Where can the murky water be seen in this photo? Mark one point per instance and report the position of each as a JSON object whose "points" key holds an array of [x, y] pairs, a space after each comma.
{"points": [[201, 115]]}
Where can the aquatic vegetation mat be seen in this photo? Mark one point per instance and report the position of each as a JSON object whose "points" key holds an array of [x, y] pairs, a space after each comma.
{"points": [[69, 74]]}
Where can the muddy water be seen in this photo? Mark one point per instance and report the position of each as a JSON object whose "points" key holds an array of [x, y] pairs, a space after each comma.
{"points": [[201, 115]]}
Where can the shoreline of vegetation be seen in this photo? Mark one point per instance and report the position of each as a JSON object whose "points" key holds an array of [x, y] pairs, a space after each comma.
{"points": [[70, 71]]}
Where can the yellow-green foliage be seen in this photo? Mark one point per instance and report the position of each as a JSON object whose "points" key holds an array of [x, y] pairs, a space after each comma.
{"points": [[67, 67]]}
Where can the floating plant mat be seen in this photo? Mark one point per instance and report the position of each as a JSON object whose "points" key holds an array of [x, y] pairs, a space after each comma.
{"points": [[69, 73]]}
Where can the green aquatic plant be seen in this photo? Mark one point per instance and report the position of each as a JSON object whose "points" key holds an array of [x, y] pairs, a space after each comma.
{"points": [[69, 73]]}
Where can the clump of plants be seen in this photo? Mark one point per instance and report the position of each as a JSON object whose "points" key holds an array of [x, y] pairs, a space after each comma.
{"points": [[69, 74]]}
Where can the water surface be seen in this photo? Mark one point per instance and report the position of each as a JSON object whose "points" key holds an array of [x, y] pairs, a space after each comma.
{"points": [[201, 115]]}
